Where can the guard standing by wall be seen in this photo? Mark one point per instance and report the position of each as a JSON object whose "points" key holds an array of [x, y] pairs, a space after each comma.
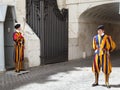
{"points": [[102, 44], [19, 48]]}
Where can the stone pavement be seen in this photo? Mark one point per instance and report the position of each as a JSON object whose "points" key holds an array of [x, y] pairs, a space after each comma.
{"points": [[72, 75]]}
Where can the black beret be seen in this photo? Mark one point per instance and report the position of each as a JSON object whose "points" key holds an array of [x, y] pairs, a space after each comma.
{"points": [[100, 27], [17, 26]]}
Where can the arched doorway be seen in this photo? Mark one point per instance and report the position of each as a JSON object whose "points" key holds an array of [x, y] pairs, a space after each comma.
{"points": [[107, 14]]}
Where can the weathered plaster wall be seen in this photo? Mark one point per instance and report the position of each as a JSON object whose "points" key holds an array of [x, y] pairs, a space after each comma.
{"points": [[32, 45]]}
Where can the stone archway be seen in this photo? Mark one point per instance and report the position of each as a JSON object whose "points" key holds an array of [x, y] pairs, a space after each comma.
{"points": [[107, 14]]}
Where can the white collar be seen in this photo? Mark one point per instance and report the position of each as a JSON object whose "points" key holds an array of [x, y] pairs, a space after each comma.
{"points": [[102, 34], [17, 31]]}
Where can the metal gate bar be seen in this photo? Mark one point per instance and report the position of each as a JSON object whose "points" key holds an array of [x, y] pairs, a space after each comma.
{"points": [[51, 26]]}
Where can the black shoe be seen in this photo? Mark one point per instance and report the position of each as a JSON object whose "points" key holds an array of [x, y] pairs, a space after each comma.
{"points": [[107, 85], [22, 70], [17, 71], [95, 84]]}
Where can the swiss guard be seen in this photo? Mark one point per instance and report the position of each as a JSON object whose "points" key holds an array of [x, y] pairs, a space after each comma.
{"points": [[19, 48], [102, 45]]}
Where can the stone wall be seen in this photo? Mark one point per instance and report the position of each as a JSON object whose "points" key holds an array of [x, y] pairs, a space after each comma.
{"points": [[80, 32], [32, 45], [87, 30]]}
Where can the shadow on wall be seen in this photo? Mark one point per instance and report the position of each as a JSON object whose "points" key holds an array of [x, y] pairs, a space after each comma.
{"points": [[26, 63], [87, 30]]}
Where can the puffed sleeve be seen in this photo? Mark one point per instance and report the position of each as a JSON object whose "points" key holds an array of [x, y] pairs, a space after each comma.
{"points": [[94, 43]]}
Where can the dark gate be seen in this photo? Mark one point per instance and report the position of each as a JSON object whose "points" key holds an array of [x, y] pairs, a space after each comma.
{"points": [[51, 26]]}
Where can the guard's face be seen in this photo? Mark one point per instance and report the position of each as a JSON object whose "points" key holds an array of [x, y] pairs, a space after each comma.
{"points": [[100, 31], [19, 28]]}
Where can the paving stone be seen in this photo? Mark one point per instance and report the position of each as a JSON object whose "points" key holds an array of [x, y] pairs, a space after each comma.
{"points": [[72, 75]]}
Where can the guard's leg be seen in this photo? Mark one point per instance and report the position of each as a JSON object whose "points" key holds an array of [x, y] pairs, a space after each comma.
{"points": [[96, 69], [16, 67], [21, 58], [16, 58], [107, 80], [20, 65], [96, 79]]}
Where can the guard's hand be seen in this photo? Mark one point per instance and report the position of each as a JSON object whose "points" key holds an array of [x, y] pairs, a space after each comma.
{"points": [[108, 53]]}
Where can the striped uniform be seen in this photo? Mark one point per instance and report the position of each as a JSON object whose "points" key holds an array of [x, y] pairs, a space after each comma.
{"points": [[101, 45], [19, 50]]}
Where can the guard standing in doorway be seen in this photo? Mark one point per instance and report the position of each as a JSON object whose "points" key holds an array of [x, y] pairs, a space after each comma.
{"points": [[103, 45], [19, 48]]}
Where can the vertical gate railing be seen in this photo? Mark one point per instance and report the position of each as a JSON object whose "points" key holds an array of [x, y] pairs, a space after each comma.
{"points": [[51, 26]]}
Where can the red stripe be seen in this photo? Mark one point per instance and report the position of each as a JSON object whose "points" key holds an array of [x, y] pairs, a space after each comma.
{"points": [[95, 64]]}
